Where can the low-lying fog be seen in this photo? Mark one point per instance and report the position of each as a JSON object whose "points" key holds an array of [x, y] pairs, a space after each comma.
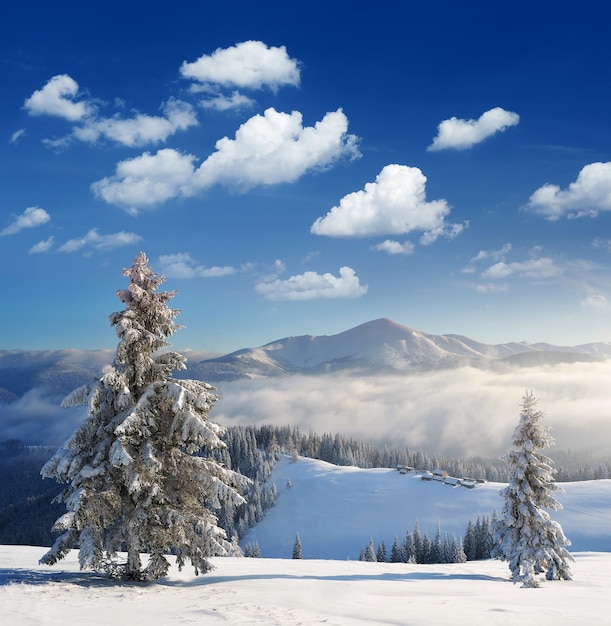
{"points": [[462, 412], [459, 412]]}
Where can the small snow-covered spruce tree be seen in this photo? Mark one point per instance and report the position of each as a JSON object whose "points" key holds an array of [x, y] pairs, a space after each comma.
{"points": [[525, 535], [139, 478], [297, 550]]}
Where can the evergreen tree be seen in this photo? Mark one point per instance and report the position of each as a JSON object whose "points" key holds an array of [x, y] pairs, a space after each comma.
{"points": [[409, 548], [252, 550], [417, 552], [381, 553], [447, 550], [139, 470], [395, 551], [458, 554], [426, 549], [485, 539], [526, 536], [297, 553], [370, 552], [437, 554], [469, 542]]}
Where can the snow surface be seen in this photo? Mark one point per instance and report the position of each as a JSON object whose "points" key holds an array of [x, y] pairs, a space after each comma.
{"points": [[335, 510], [290, 592]]}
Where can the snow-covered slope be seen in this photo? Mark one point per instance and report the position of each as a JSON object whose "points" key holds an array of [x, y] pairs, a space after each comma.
{"points": [[381, 345], [336, 510]]}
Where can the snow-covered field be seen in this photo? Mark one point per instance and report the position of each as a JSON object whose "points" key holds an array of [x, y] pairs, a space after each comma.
{"points": [[288, 592], [335, 510]]}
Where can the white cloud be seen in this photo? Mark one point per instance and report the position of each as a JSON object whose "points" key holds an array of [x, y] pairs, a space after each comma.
{"points": [[148, 180], [267, 149], [492, 254], [17, 135], [311, 286], [181, 265], [588, 195], [42, 246], [596, 302], [449, 231], [490, 288], [221, 102], [247, 65], [141, 129], [57, 98], [461, 134], [394, 204], [395, 247], [100, 242], [484, 255], [310, 255], [600, 242], [271, 273], [33, 216], [276, 148], [543, 267]]}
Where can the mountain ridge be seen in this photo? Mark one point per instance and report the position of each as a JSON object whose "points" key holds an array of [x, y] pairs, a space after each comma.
{"points": [[385, 345], [381, 345]]}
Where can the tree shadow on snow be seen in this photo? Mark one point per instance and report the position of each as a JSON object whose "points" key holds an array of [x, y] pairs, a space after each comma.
{"points": [[14, 575], [89, 579], [387, 577]]}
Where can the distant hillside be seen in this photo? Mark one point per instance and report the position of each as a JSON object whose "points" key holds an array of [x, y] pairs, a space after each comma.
{"points": [[384, 345], [377, 346], [57, 371], [336, 510]]}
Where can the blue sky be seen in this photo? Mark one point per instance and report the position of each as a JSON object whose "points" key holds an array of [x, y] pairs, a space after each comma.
{"points": [[304, 167]]}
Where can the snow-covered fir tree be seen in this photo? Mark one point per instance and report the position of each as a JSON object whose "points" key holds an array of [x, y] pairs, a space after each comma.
{"points": [[439, 550], [297, 552], [396, 552], [437, 554], [426, 548], [381, 552], [525, 534], [252, 550], [470, 542], [370, 552], [140, 474], [408, 549], [417, 551]]}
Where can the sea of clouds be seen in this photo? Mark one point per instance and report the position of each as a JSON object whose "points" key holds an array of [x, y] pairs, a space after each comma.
{"points": [[462, 412], [459, 412]]}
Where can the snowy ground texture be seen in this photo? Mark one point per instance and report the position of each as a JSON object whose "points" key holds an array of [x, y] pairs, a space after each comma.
{"points": [[335, 510], [288, 592]]}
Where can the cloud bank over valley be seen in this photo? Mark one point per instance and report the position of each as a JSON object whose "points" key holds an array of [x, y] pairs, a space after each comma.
{"points": [[461, 412]]}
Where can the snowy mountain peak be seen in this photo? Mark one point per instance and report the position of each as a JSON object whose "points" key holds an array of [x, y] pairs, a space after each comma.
{"points": [[381, 345], [385, 345]]}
